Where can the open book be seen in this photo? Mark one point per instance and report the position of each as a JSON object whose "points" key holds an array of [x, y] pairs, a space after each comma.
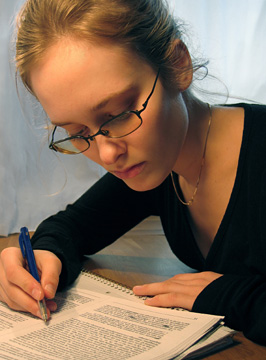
{"points": [[99, 319]]}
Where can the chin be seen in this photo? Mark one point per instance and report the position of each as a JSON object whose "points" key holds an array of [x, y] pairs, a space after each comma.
{"points": [[143, 185]]}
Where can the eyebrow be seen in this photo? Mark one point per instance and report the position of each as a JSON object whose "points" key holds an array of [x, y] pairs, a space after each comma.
{"points": [[105, 101]]}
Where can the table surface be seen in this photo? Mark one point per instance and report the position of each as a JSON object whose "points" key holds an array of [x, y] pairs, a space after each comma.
{"points": [[139, 258]]}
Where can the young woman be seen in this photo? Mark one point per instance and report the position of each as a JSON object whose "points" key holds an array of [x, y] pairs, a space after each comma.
{"points": [[115, 78]]}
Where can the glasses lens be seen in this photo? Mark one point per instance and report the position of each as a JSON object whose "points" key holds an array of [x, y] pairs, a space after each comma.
{"points": [[122, 125], [64, 145]]}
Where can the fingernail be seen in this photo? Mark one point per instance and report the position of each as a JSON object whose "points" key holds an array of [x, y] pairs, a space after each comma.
{"points": [[148, 301], [52, 306], [36, 294], [137, 287], [50, 289]]}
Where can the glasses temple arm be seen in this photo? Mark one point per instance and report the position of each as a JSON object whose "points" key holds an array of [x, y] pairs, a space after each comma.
{"points": [[146, 102]]}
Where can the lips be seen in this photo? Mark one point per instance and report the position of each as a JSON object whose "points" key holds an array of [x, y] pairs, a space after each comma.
{"points": [[130, 172]]}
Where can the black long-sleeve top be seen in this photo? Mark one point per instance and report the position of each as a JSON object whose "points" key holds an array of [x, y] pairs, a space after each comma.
{"points": [[109, 209]]}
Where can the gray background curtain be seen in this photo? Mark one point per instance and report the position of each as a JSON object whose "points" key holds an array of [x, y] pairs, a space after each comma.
{"points": [[34, 182]]}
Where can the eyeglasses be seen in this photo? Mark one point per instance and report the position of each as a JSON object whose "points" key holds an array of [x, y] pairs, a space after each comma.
{"points": [[117, 127]]}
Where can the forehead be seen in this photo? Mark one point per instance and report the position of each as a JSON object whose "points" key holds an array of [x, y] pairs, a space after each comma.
{"points": [[73, 72]]}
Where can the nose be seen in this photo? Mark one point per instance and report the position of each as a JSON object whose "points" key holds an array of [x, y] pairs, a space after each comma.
{"points": [[109, 150]]}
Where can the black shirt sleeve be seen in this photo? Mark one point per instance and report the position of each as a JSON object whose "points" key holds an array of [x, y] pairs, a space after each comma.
{"points": [[241, 299]]}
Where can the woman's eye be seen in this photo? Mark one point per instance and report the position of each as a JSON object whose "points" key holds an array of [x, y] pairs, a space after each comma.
{"points": [[125, 112], [125, 116], [84, 131]]}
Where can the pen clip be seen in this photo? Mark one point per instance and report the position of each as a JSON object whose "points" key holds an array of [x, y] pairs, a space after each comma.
{"points": [[27, 253]]}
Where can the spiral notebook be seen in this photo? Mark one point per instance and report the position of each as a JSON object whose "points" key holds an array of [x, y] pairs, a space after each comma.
{"points": [[216, 340], [98, 318], [100, 284]]}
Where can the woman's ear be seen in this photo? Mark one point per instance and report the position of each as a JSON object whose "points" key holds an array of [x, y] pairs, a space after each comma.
{"points": [[182, 64]]}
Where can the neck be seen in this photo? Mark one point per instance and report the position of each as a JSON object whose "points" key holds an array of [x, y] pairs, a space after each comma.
{"points": [[189, 161]]}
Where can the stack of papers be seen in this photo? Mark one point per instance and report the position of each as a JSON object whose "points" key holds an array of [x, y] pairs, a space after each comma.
{"points": [[99, 320]]}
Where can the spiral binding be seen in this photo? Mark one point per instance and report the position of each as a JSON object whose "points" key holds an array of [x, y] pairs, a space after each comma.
{"points": [[117, 285], [112, 283]]}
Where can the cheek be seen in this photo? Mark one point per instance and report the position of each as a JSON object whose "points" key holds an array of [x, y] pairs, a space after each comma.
{"points": [[165, 129], [92, 154], [174, 125]]}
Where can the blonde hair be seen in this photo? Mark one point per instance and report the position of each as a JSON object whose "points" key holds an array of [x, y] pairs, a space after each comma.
{"points": [[144, 26]]}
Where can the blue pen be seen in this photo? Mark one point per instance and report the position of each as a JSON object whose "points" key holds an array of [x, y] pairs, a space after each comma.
{"points": [[27, 253]]}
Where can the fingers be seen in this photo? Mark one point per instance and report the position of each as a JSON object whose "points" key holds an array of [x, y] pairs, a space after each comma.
{"points": [[16, 275], [169, 294], [50, 271], [51, 305], [171, 285], [179, 291], [184, 301], [194, 279], [151, 289], [19, 290]]}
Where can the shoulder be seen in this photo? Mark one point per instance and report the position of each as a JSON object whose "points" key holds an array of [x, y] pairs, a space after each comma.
{"points": [[251, 109], [254, 132], [256, 113], [253, 150], [255, 125]]}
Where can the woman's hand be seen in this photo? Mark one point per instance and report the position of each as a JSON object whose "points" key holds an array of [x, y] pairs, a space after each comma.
{"points": [[179, 291], [19, 290]]}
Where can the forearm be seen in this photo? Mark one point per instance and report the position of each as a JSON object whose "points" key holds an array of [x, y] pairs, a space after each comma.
{"points": [[241, 299]]}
